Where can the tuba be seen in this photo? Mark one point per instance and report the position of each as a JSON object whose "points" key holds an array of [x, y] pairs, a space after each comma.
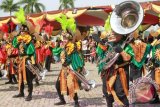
{"points": [[125, 19]]}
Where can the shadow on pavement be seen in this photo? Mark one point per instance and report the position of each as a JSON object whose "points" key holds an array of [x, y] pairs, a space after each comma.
{"points": [[46, 94], [51, 75], [98, 85], [48, 83], [99, 101], [11, 88]]}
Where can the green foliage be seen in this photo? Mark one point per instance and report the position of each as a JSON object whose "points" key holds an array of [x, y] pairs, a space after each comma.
{"points": [[65, 4], [32, 6], [67, 24], [20, 15], [9, 6]]}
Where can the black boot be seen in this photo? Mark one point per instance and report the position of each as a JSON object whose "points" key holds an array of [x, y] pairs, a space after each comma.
{"points": [[76, 100], [10, 79], [1, 74], [21, 93], [37, 82], [76, 104], [18, 95], [109, 100], [62, 102], [28, 98], [14, 79]]}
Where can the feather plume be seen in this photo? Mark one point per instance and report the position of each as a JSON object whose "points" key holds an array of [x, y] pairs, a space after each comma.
{"points": [[20, 15], [107, 25], [67, 24]]}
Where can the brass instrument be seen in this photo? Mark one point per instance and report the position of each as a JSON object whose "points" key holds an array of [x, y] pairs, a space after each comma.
{"points": [[125, 19], [87, 84], [34, 70], [43, 71]]}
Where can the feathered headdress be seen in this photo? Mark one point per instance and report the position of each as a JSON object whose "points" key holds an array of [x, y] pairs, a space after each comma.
{"points": [[67, 24], [20, 15], [4, 28], [40, 25], [48, 29], [107, 25]]}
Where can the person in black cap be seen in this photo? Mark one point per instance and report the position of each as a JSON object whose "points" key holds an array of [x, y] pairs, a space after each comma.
{"points": [[26, 54]]}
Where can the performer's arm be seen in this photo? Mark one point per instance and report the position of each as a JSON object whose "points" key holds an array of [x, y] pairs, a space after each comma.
{"points": [[126, 54]]}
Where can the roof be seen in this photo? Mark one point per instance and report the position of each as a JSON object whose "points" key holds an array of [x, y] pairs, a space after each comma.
{"points": [[88, 16]]}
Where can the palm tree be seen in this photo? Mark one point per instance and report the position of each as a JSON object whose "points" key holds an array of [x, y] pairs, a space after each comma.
{"points": [[32, 6], [9, 6], [65, 4]]}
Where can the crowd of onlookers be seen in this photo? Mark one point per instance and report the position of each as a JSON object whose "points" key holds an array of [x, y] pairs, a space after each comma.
{"points": [[89, 49]]}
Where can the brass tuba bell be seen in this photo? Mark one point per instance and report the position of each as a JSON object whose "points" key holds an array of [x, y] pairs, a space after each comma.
{"points": [[126, 17]]}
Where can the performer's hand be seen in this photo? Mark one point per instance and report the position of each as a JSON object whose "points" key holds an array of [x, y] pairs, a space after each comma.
{"points": [[118, 49]]}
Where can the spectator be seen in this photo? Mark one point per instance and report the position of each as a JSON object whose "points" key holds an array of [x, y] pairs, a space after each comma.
{"points": [[85, 48]]}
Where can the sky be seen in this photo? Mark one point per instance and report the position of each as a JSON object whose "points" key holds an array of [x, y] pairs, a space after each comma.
{"points": [[54, 4]]}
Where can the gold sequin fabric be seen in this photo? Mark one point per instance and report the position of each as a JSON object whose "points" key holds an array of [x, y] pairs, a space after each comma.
{"points": [[157, 54], [139, 50]]}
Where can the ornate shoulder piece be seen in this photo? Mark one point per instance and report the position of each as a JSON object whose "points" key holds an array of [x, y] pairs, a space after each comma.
{"points": [[27, 38], [78, 44], [19, 38], [69, 48], [157, 54]]}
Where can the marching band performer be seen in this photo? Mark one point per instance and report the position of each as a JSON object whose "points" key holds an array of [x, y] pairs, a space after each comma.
{"points": [[72, 61], [12, 54], [56, 51], [114, 78], [67, 83], [101, 53], [136, 52], [48, 55], [117, 77], [3, 59], [26, 54]]}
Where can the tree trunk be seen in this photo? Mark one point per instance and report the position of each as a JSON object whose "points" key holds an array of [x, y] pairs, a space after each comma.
{"points": [[10, 13]]}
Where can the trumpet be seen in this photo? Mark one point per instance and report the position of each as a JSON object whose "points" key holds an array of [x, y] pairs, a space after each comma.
{"points": [[88, 84], [34, 70]]}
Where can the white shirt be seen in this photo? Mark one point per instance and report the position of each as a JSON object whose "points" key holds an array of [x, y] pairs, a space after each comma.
{"points": [[84, 45]]}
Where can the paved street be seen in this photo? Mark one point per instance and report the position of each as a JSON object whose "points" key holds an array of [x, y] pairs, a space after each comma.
{"points": [[45, 95]]}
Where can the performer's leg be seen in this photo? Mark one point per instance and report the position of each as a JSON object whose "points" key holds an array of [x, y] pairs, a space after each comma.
{"points": [[9, 76], [36, 79], [76, 100], [61, 97], [157, 77], [1, 74], [121, 88], [135, 72], [14, 78], [48, 62], [104, 86], [37, 82], [30, 77], [21, 93], [109, 100]]}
